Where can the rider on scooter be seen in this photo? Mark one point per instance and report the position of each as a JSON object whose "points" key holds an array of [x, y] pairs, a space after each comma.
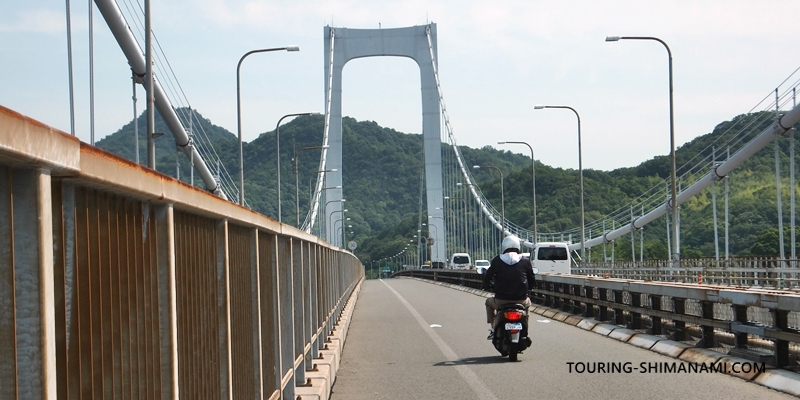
{"points": [[513, 276]]}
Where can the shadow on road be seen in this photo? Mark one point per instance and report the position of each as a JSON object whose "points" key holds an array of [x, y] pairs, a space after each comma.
{"points": [[473, 361]]}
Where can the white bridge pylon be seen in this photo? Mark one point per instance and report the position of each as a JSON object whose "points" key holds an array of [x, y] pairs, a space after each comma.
{"points": [[343, 45]]}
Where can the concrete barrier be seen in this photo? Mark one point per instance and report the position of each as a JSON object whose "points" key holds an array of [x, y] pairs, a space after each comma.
{"points": [[319, 380]]}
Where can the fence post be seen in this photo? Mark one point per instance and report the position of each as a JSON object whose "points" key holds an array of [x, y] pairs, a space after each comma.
{"points": [[680, 326], [655, 304], [619, 317], [603, 308], [223, 302], [781, 346], [167, 300], [707, 310], [588, 293], [636, 318], [740, 315]]}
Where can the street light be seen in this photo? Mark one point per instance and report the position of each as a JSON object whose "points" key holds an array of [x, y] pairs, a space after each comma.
{"points": [[239, 113], [502, 195], [336, 230], [325, 209], [333, 227], [533, 183], [674, 173], [311, 187], [297, 180], [278, 156], [580, 171]]}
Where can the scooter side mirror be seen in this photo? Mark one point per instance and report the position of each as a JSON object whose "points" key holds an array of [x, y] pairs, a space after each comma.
{"points": [[535, 270]]}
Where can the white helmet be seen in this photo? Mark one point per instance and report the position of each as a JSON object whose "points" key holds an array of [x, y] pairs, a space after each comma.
{"points": [[510, 242]]}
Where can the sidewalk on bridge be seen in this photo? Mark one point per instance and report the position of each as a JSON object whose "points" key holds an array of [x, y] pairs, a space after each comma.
{"points": [[323, 374], [777, 379]]}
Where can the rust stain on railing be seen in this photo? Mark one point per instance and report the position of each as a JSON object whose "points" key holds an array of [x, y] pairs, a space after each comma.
{"points": [[160, 290]]}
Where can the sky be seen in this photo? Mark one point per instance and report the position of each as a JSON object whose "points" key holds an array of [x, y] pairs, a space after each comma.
{"points": [[497, 60]]}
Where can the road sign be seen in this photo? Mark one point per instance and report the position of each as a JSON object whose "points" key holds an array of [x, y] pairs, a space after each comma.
{"points": [[430, 241], [352, 245]]}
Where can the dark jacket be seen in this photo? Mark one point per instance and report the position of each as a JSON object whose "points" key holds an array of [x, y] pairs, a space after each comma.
{"points": [[512, 281]]}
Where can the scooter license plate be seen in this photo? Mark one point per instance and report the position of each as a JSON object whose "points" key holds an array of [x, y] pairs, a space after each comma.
{"points": [[510, 326]]}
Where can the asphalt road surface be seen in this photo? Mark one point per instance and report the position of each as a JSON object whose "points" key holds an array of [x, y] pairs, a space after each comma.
{"points": [[415, 340]]}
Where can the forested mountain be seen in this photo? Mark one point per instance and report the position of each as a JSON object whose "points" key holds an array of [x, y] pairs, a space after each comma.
{"points": [[382, 170]]}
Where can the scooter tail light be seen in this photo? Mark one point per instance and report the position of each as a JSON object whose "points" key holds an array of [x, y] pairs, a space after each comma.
{"points": [[513, 315]]}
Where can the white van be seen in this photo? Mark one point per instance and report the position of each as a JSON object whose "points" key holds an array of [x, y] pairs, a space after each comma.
{"points": [[551, 257], [460, 261]]}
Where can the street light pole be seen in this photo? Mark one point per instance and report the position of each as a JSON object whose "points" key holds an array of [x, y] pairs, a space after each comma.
{"points": [[331, 223], [324, 210], [278, 155], [239, 112], [502, 195], [580, 171], [297, 181], [533, 183], [674, 172]]}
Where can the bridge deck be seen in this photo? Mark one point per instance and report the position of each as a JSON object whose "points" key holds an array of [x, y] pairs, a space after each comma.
{"points": [[392, 352]]}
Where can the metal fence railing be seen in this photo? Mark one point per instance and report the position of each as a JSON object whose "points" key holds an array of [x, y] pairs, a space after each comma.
{"points": [[766, 272], [117, 281]]}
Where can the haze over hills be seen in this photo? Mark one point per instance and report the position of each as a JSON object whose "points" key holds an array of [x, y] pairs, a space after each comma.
{"points": [[382, 169]]}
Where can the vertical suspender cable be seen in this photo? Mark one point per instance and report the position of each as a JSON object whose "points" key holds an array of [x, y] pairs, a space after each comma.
{"points": [[633, 240], [666, 218], [191, 146], [135, 119], [727, 222], [69, 64], [714, 206], [91, 73], [779, 195], [791, 185], [151, 145], [641, 241]]}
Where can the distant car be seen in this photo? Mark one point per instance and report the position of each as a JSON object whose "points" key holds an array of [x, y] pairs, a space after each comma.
{"points": [[481, 266], [460, 261]]}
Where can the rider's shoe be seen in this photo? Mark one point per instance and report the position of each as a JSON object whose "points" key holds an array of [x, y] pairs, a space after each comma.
{"points": [[491, 334]]}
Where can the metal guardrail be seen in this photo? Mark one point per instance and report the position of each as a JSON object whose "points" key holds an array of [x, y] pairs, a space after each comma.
{"points": [[767, 272], [756, 323], [117, 281]]}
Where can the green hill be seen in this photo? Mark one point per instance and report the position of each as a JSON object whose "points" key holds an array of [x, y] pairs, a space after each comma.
{"points": [[382, 169]]}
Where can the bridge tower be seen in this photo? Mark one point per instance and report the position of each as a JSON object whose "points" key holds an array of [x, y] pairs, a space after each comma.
{"points": [[345, 44]]}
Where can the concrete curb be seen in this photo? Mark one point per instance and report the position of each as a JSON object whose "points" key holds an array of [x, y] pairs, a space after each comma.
{"points": [[776, 379], [324, 373]]}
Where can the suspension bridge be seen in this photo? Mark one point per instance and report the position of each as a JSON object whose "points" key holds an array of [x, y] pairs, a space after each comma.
{"points": [[121, 282]]}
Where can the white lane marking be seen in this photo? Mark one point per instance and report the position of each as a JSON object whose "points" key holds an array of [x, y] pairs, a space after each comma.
{"points": [[472, 379], [435, 326], [544, 321]]}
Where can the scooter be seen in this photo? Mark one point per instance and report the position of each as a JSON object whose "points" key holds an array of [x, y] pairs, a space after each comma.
{"points": [[511, 329]]}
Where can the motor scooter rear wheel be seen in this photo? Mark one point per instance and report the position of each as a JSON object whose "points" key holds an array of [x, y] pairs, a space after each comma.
{"points": [[513, 349]]}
